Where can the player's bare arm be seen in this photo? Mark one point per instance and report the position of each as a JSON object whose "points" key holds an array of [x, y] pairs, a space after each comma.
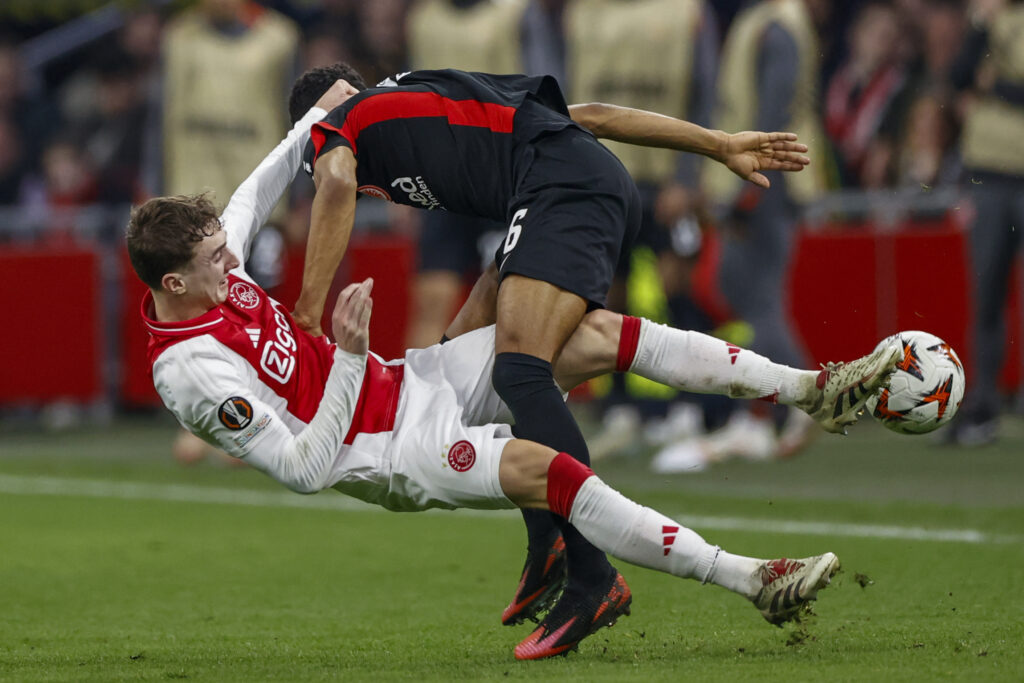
{"points": [[746, 154], [481, 307], [333, 212]]}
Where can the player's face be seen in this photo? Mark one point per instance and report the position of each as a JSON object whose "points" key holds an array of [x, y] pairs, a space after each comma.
{"points": [[207, 275]]}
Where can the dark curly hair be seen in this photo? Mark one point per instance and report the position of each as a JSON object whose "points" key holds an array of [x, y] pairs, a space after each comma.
{"points": [[315, 82], [163, 234]]}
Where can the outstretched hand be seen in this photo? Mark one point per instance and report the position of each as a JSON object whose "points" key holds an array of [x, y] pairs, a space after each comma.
{"points": [[748, 153], [351, 319]]}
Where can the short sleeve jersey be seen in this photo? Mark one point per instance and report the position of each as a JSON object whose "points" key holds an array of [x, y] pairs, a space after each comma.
{"points": [[443, 139]]}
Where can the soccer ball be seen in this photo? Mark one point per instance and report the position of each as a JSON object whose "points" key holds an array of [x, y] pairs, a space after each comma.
{"points": [[925, 391]]}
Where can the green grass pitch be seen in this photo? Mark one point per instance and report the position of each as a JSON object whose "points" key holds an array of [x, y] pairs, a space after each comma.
{"points": [[115, 564]]}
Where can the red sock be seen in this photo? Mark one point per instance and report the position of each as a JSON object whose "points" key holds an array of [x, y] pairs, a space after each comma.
{"points": [[566, 475], [629, 338]]}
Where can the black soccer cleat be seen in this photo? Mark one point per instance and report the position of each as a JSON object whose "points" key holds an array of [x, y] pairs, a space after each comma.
{"points": [[544, 576], [573, 619]]}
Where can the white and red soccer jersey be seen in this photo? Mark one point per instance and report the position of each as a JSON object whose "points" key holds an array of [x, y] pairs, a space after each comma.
{"points": [[243, 377]]}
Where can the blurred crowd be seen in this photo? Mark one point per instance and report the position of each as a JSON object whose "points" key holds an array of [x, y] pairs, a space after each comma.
{"points": [[95, 122], [102, 110]]}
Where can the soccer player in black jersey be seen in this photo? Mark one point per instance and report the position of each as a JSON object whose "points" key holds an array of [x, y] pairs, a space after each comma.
{"points": [[507, 147]]}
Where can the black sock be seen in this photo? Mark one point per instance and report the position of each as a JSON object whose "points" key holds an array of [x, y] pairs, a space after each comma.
{"points": [[527, 386]]}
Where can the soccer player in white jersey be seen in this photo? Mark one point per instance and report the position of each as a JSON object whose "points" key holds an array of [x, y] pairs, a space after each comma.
{"points": [[429, 430]]}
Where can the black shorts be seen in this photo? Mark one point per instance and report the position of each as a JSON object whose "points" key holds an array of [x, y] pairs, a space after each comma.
{"points": [[456, 243], [574, 209]]}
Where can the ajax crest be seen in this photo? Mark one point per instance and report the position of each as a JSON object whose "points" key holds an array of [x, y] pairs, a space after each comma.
{"points": [[461, 456], [244, 295]]}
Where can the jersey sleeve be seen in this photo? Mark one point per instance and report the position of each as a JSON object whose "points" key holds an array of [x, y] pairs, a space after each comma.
{"points": [[329, 133], [251, 204], [211, 397]]}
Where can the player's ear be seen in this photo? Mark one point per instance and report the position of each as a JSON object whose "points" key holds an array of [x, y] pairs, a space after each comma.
{"points": [[173, 283]]}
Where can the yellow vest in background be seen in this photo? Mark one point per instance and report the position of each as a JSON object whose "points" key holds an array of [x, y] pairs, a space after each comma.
{"points": [[634, 53], [737, 96], [484, 37], [993, 136], [224, 101]]}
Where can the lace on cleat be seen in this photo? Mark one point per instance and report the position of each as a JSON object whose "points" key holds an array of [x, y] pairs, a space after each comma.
{"points": [[544, 577], [789, 585], [846, 387], [573, 619]]}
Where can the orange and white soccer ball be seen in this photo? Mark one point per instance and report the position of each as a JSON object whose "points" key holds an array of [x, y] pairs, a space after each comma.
{"points": [[927, 388]]}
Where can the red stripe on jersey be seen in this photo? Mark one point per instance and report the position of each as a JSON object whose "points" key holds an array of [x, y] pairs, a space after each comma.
{"points": [[319, 137], [388, 106], [291, 362], [378, 399]]}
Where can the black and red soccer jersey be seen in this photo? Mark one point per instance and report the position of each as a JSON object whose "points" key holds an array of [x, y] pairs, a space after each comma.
{"points": [[443, 139]]}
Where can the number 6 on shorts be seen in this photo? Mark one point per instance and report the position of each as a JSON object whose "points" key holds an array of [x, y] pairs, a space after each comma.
{"points": [[513, 231]]}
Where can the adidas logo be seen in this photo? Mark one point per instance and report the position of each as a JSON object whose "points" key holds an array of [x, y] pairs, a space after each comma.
{"points": [[734, 352], [853, 394], [668, 537], [254, 336]]}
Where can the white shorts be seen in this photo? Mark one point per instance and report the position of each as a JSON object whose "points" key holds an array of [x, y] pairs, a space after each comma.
{"points": [[449, 432]]}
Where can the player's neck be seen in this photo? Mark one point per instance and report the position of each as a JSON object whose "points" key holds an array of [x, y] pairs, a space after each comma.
{"points": [[169, 308]]}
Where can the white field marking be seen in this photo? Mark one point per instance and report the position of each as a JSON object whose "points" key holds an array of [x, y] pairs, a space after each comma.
{"points": [[182, 493]]}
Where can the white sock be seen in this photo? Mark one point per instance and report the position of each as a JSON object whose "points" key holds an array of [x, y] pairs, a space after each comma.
{"points": [[697, 362], [645, 537]]}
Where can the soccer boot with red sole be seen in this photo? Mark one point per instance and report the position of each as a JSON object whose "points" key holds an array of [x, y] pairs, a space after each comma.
{"points": [[544, 577], [787, 586], [574, 618]]}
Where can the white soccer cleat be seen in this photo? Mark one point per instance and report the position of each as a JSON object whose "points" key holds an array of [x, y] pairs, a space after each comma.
{"points": [[743, 436], [620, 432], [845, 387], [680, 458], [788, 585]]}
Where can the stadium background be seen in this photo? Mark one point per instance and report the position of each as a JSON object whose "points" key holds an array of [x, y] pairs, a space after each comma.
{"points": [[109, 546], [893, 254]]}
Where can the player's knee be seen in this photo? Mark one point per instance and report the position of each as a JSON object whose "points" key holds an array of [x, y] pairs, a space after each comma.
{"points": [[515, 374], [606, 327], [523, 472], [503, 375]]}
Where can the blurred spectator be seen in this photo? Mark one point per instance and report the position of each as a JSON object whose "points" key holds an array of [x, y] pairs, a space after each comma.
{"points": [[12, 163], [22, 119], [69, 185], [472, 35], [228, 67], [112, 134], [926, 156], [543, 40], [611, 46], [923, 152], [992, 65], [768, 80], [859, 112], [383, 33]]}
